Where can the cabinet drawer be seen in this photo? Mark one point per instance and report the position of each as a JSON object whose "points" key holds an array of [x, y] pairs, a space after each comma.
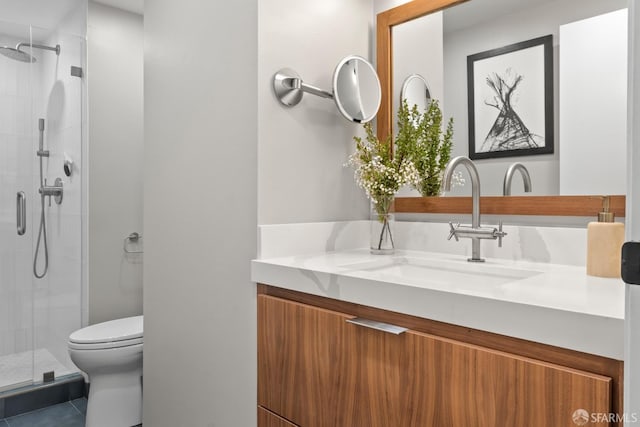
{"points": [[269, 419], [448, 383], [316, 369]]}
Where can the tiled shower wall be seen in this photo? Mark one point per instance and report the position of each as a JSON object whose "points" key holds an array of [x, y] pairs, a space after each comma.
{"points": [[16, 86]]}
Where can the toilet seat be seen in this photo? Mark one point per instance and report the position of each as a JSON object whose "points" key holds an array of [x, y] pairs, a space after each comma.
{"points": [[112, 334], [105, 345]]}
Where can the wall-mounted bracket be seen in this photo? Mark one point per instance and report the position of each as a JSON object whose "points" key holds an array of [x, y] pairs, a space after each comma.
{"points": [[76, 71], [289, 88]]}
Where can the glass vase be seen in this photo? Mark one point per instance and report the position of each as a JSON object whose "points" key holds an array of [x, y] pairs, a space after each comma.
{"points": [[381, 232]]}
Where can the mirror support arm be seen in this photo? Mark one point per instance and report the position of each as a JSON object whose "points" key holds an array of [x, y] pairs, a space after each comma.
{"points": [[316, 91], [296, 83]]}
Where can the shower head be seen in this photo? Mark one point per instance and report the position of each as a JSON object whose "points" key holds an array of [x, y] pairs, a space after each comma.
{"points": [[19, 55]]}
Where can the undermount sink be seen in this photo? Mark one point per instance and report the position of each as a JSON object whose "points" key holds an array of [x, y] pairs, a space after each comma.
{"points": [[445, 273]]}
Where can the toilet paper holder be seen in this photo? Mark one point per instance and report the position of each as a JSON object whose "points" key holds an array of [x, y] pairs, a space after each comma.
{"points": [[132, 239]]}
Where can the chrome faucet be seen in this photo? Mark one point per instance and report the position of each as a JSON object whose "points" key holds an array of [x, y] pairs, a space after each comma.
{"points": [[475, 232], [508, 176]]}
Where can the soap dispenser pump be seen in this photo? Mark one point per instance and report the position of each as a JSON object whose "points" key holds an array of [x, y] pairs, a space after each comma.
{"points": [[604, 244]]}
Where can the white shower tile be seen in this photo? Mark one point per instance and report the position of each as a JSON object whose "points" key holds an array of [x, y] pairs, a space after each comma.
{"points": [[11, 153], [23, 120], [12, 83], [25, 77], [25, 153], [8, 115]]}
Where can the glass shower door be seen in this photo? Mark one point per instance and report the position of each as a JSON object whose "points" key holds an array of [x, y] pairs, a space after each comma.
{"points": [[58, 295], [16, 175]]}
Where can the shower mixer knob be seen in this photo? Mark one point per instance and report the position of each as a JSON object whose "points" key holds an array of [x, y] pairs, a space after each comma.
{"points": [[56, 190]]}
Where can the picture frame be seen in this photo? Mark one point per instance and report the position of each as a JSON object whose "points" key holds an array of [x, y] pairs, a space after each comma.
{"points": [[510, 100]]}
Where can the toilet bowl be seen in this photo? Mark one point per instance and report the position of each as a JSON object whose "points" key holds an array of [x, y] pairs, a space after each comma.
{"points": [[110, 353]]}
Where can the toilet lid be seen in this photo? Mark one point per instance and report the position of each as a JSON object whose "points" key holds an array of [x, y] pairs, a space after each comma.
{"points": [[129, 328]]}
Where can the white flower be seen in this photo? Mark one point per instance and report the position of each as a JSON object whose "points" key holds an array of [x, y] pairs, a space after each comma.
{"points": [[380, 177]]}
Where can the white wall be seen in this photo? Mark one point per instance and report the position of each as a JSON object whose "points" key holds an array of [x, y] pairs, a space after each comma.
{"points": [[200, 212], [301, 177], [44, 14], [593, 89], [532, 22], [382, 5], [115, 76]]}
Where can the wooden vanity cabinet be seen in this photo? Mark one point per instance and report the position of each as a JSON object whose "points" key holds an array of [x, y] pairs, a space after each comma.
{"points": [[269, 419], [315, 369]]}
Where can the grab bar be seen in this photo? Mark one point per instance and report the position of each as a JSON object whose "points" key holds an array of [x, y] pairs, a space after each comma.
{"points": [[21, 213], [132, 238]]}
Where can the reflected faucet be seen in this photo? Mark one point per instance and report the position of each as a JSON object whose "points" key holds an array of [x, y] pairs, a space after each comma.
{"points": [[474, 232], [475, 184], [508, 176]]}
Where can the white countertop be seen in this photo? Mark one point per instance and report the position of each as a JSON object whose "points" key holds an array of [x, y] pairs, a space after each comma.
{"points": [[548, 303]]}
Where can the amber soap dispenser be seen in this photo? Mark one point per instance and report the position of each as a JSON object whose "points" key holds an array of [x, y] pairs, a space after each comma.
{"points": [[604, 244]]}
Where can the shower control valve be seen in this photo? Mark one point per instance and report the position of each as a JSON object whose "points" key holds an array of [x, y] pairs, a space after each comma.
{"points": [[55, 190]]}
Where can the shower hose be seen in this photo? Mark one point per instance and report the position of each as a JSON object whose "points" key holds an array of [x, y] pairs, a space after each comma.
{"points": [[42, 233]]}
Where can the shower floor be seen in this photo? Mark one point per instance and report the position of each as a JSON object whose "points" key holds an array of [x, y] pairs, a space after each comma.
{"points": [[17, 369]]}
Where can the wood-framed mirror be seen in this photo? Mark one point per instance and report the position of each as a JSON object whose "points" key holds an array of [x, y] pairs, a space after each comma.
{"points": [[551, 205]]}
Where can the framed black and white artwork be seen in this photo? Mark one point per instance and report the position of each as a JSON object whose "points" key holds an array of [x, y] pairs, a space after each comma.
{"points": [[510, 91]]}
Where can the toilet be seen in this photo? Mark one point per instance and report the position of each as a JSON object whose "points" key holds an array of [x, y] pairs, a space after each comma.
{"points": [[110, 353]]}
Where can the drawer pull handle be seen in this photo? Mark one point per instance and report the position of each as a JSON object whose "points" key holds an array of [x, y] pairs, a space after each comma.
{"points": [[380, 326]]}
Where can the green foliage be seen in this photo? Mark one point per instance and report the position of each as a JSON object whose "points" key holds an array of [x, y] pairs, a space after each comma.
{"points": [[378, 172], [420, 140]]}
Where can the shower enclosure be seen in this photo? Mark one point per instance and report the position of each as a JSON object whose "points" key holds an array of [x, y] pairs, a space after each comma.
{"points": [[41, 208]]}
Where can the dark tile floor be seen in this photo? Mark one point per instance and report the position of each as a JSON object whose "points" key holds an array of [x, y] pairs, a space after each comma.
{"points": [[68, 414]]}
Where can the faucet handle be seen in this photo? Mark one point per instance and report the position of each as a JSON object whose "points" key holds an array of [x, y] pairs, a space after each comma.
{"points": [[43, 190], [500, 234], [452, 233]]}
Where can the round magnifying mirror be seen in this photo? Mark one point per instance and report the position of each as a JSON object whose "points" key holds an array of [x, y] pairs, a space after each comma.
{"points": [[356, 89], [415, 91]]}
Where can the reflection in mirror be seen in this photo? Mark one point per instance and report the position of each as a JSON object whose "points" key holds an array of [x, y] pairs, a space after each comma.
{"points": [[508, 178], [415, 91], [425, 61], [356, 89], [590, 66]]}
